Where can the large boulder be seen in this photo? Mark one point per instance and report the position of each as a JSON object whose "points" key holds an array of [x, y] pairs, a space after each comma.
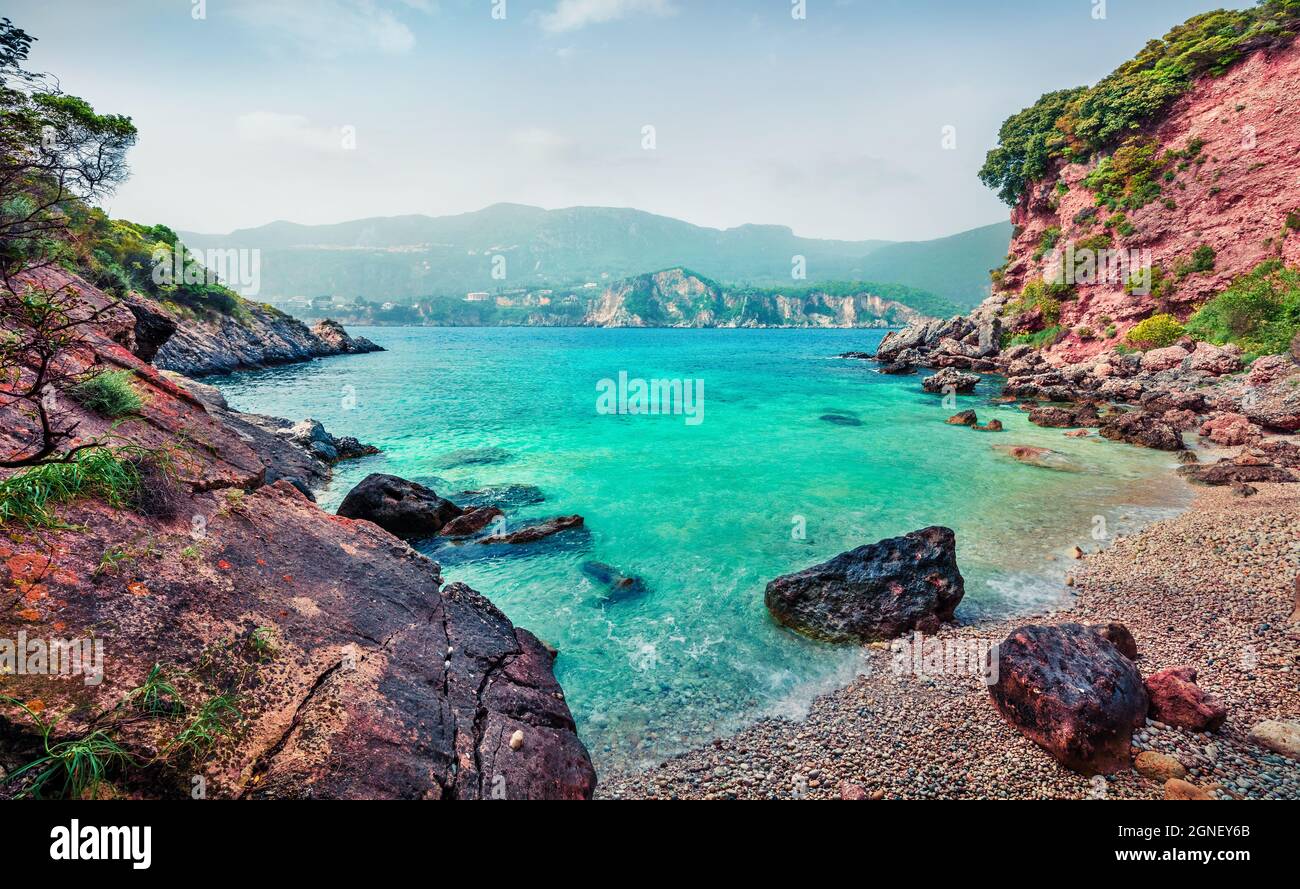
{"points": [[1280, 737], [1071, 417], [1177, 700], [1164, 359], [1275, 405], [950, 380], [1143, 429], [1073, 693], [1230, 430], [400, 507], [1230, 472], [1213, 361], [338, 341], [873, 593]]}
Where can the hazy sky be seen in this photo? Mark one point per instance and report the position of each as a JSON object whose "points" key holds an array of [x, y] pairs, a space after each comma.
{"points": [[832, 124]]}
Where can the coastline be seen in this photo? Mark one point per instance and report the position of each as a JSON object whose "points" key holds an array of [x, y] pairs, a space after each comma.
{"points": [[1210, 588]]}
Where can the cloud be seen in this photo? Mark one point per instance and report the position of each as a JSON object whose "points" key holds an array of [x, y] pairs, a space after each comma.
{"points": [[291, 130], [332, 28], [570, 15]]}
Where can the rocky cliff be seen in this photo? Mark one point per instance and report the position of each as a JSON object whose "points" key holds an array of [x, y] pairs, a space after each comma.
{"points": [[252, 336], [252, 645], [679, 298], [1210, 190]]}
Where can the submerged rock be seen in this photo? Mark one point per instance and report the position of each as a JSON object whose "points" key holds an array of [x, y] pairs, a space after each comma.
{"points": [[471, 522], [501, 496], [965, 418], [876, 592], [398, 506], [841, 419], [476, 457], [534, 533], [618, 586], [1073, 693], [1043, 458]]}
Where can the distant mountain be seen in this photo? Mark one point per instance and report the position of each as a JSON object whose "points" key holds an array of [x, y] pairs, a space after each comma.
{"points": [[406, 258], [674, 297]]}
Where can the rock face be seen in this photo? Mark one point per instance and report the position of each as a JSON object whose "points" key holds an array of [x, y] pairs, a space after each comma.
{"points": [[398, 506], [875, 592], [259, 337], [1177, 700], [356, 672], [1073, 693]]}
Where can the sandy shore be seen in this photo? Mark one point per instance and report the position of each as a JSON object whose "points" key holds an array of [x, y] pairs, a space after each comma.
{"points": [[1212, 588]]}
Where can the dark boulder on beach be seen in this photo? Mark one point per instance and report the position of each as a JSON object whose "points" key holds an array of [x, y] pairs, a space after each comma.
{"points": [[1058, 417], [873, 593], [950, 379], [398, 506], [1073, 693], [1143, 429], [534, 533], [1121, 637], [1230, 472]]}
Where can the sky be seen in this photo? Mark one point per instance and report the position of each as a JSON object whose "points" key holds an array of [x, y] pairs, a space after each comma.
{"points": [[858, 119]]}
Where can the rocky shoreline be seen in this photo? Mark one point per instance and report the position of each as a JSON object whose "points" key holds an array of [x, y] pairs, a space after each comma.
{"points": [[1212, 588]]}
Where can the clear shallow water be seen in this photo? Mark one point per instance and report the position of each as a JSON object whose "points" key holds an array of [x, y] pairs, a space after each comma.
{"points": [[704, 513]]}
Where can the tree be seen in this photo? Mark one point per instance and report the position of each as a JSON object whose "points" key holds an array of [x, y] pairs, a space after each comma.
{"points": [[56, 154], [1026, 146]]}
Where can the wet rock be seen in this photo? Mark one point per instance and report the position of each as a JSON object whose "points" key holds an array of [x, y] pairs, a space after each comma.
{"points": [[965, 418], [477, 457], [1143, 429], [534, 533], [1229, 472], [471, 522], [398, 506], [876, 592], [1043, 458], [505, 497], [897, 369], [1177, 700], [948, 380], [1073, 693], [337, 341], [990, 426]]}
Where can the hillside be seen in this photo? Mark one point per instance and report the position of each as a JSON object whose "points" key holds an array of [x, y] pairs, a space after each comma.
{"points": [[1144, 214], [674, 297], [410, 257]]}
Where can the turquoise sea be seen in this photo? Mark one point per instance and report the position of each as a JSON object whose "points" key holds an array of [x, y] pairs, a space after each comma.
{"points": [[705, 514]]}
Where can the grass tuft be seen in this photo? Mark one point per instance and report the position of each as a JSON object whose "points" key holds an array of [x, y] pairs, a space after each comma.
{"points": [[28, 497], [108, 394]]}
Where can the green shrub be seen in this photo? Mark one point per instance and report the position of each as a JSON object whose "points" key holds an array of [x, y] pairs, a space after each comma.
{"points": [[108, 394], [1155, 332], [1260, 311], [1293, 220], [1047, 243], [26, 497], [1040, 340], [1039, 295], [1129, 179], [1203, 259]]}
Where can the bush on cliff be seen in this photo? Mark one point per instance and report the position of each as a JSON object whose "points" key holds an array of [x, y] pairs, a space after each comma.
{"points": [[1155, 332], [1075, 124], [1260, 312]]}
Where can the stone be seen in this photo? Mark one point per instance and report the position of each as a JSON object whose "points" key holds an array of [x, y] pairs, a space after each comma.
{"points": [[1229, 472], [1281, 737], [849, 790], [1230, 430], [400, 507], [1176, 788], [534, 533], [1056, 417], [517, 740], [965, 418], [876, 592], [1157, 360], [990, 426], [1143, 429], [950, 380], [1209, 359], [1073, 693], [1119, 636], [471, 522], [1177, 700], [1158, 766]]}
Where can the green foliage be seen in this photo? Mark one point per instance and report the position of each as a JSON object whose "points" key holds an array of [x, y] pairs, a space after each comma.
{"points": [[1075, 124], [1047, 243], [1202, 260], [1155, 332], [1026, 146], [1129, 178], [27, 496], [158, 694], [216, 718], [1042, 296], [1293, 221], [71, 769], [1040, 340], [1260, 311], [108, 394]]}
